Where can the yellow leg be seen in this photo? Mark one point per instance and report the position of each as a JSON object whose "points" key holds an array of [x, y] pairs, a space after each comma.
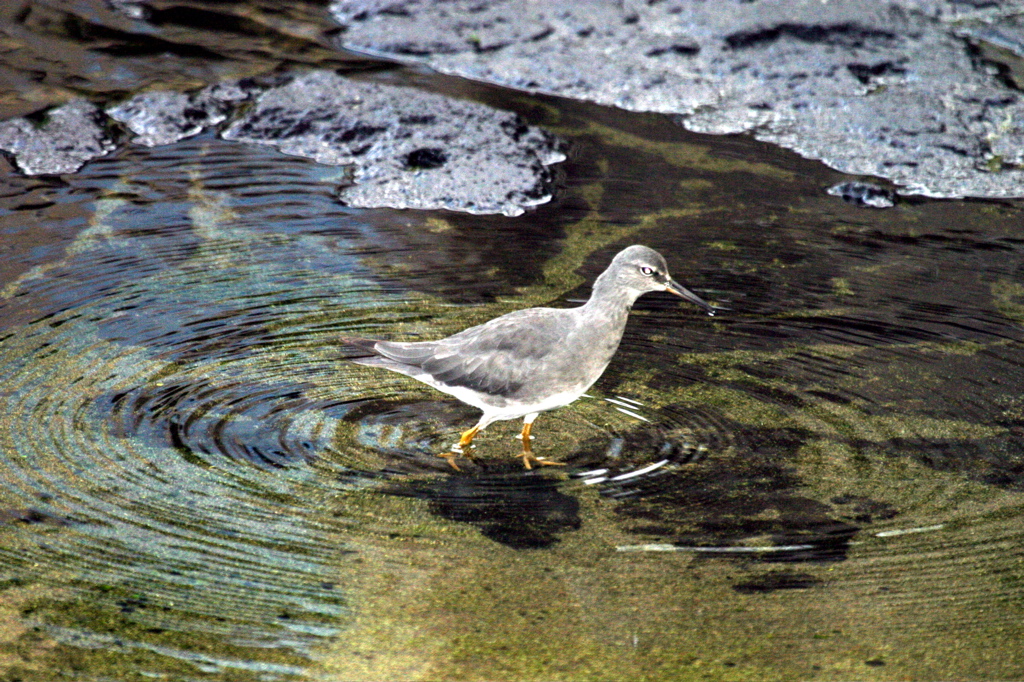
{"points": [[462, 447], [528, 456]]}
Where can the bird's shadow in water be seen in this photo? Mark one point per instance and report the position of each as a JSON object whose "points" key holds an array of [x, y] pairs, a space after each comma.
{"points": [[516, 509], [739, 489]]}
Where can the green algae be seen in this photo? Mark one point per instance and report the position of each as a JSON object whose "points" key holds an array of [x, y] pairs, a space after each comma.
{"points": [[1009, 299], [472, 610], [682, 155]]}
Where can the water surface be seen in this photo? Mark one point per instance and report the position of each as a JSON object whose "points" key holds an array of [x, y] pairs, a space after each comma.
{"points": [[824, 482]]}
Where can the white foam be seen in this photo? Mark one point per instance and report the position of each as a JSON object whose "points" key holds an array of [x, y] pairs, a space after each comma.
{"points": [[908, 531], [743, 549], [632, 414], [640, 472]]}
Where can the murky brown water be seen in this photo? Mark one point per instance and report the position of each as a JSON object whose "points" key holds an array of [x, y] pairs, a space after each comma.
{"points": [[825, 482]]}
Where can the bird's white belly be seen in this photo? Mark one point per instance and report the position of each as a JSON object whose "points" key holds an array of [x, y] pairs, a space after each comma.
{"points": [[492, 406]]}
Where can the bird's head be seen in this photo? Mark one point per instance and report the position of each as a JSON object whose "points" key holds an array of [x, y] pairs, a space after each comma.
{"points": [[640, 269]]}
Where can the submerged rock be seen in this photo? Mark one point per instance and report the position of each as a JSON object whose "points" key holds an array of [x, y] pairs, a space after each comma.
{"points": [[899, 90], [409, 149], [62, 141]]}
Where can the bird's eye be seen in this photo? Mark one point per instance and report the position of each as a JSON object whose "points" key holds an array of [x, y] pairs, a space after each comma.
{"points": [[647, 271]]}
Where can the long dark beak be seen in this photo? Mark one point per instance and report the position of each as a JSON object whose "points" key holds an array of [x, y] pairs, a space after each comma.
{"points": [[681, 291]]}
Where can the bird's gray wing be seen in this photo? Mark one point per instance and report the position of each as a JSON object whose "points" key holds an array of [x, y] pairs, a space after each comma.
{"points": [[498, 357]]}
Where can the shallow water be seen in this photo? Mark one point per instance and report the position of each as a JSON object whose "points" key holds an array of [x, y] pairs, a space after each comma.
{"points": [[825, 481]]}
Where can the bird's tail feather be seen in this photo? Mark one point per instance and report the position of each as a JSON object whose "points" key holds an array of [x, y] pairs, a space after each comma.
{"points": [[355, 348]]}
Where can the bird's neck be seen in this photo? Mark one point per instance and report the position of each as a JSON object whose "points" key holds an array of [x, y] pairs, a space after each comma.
{"points": [[606, 296], [608, 307], [606, 313]]}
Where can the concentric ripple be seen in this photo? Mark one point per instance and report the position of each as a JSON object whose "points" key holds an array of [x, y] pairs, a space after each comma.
{"points": [[181, 435], [193, 472], [141, 417]]}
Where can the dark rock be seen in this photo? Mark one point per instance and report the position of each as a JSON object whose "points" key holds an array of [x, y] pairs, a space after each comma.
{"points": [[425, 158]]}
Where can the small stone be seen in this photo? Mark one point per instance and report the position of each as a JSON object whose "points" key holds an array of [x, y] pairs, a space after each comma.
{"points": [[863, 194]]}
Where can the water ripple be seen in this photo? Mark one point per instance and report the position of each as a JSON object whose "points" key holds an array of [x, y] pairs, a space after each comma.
{"points": [[188, 455]]}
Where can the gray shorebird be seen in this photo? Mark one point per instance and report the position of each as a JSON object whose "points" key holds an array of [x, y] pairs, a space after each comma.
{"points": [[533, 360]]}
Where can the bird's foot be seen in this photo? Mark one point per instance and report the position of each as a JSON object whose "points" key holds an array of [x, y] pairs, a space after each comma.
{"points": [[529, 459], [460, 448], [450, 456]]}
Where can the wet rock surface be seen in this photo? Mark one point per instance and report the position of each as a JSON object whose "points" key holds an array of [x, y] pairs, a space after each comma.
{"points": [[410, 149], [921, 92], [60, 141], [406, 148], [164, 117]]}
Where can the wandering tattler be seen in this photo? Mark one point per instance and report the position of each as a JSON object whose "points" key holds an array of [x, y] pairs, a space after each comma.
{"points": [[534, 360]]}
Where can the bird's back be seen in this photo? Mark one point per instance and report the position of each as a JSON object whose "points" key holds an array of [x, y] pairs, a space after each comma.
{"points": [[517, 357]]}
